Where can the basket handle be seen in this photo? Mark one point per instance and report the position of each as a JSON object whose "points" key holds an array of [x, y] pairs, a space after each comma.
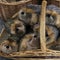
{"points": [[16, 3], [42, 26]]}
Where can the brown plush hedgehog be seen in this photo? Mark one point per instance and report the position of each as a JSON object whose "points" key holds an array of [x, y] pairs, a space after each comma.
{"points": [[28, 16], [30, 42], [17, 27], [8, 46], [51, 32]]}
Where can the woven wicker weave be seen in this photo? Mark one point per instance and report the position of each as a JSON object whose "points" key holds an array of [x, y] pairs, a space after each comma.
{"points": [[8, 9]]}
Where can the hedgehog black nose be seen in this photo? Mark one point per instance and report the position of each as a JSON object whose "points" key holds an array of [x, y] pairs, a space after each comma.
{"points": [[7, 47], [22, 13]]}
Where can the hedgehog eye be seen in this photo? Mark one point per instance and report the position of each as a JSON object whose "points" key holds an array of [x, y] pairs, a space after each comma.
{"points": [[7, 47], [22, 13]]}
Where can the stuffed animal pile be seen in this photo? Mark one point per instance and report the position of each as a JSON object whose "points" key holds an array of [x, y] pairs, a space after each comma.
{"points": [[23, 30]]}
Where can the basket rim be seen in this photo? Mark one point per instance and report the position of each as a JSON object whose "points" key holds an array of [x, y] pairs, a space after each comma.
{"points": [[16, 3], [32, 53]]}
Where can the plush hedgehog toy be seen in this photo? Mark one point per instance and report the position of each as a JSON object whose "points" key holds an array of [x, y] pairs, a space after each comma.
{"points": [[51, 32], [8, 46], [28, 16], [30, 42], [15, 28]]}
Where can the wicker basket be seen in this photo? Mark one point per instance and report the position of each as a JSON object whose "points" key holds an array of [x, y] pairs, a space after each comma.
{"points": [[55, 2], [8, 9], [6, 12]]}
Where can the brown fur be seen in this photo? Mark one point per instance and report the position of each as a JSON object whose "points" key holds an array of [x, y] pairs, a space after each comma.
{"points": [[16, 24], [29, 42], [12, 46]]}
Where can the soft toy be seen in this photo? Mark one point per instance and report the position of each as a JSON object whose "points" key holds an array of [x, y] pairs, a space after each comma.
{"points": [[8, 46]]}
